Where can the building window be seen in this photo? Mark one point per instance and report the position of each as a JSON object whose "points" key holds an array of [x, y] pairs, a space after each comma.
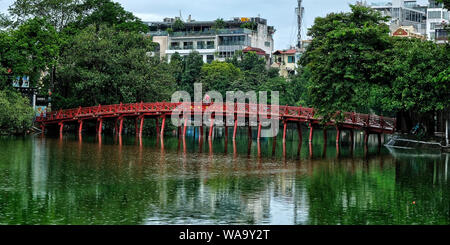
{"points": [[231, 40], [433, 25], [434, 15], [209, 59], [175, 45], [267, 44], [210, 45], [226, 54], [188, 45], [432, 35], [291, 59], [201, 45]]}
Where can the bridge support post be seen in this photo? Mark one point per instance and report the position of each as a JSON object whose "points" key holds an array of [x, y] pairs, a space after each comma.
{"points": [[120, 125], [61, 127], [259, 130], [284, 129], [226, 130], [80, 127], [366, 137], [163, 125], [311, 132], [325, 135], [352, 137], [249, 130], [338, 135], [185, 127], [379, 139], [235, 128], [211, 127], [43, 128], [100, 126], [139, 125], [299, 131]]}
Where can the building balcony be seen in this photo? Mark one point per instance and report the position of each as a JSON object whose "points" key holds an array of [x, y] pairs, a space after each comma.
{"points": [[208, 32]]}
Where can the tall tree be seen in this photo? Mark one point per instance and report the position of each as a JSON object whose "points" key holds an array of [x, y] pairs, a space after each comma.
{"points": [[345, 59], [419, 82], [58, 13], [219, 76], [30, 49], [109, 66], [110, 13], [191, 73]]}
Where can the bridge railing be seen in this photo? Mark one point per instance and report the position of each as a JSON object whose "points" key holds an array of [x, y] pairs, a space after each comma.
{"points": [[243, 109]]}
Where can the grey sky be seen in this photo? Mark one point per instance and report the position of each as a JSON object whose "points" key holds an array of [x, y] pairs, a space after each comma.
{"points": [[279, 13]]}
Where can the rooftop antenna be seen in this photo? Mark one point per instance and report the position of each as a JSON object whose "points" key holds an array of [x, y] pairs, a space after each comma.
{"points": [[299, 11], [181, 17]]}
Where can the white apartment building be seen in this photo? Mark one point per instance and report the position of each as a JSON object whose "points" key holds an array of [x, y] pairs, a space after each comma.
{"points": [[427, 20], [437, 16], [211, 42]]}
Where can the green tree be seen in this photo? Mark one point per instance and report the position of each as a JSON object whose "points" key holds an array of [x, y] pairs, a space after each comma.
{"points": [[345, 59], [250, 25], [111, 13], [219, 24], [420, 82], [177, 68], [58, 13], [178, 25], [16, 114], [110, 66], [254, 71], [219, 76], [30, 49], [191, 73]]}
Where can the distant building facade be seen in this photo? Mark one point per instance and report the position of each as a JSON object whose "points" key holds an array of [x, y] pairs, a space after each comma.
{"points": [[285, 61], [409, 32], [425, 19], [437, 17], [211, 42]]}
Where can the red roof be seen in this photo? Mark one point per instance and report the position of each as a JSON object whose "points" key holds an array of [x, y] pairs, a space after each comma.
{"points": [[290, 51], [257, 50]]}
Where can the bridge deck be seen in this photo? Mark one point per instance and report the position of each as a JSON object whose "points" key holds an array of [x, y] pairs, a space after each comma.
{"points": [[369, 123]]}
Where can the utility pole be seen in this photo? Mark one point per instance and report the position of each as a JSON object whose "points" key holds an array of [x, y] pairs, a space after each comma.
{"points": [[299, 11]]}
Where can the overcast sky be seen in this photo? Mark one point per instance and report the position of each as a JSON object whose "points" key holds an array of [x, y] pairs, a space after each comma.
{"points": [[279, 13]]}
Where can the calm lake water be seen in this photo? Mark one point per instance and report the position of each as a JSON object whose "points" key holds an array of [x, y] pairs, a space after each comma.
{"points": [[130, 181]]}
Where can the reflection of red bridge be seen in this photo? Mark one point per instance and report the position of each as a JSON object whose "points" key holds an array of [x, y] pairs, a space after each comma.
{"points": [[371, 124]]}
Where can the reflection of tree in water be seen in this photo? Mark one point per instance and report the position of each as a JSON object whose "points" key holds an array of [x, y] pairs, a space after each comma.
{"points": [[382, 194], [71, 183]]}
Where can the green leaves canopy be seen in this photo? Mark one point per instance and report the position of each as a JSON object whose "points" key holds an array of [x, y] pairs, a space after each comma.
{"points": [[109, 67], [345, 59]]}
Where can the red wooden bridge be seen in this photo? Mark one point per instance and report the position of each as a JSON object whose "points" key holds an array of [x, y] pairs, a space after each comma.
{"points": [[370, 124]]}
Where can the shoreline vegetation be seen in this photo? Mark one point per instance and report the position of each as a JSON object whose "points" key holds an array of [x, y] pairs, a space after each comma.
{"points": [[94, 52]]}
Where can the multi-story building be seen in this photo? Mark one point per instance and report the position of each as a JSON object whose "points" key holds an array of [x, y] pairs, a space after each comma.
{"points": [[285, 61], [211, 42], [425, 19], [403, 13], [437, 17]]}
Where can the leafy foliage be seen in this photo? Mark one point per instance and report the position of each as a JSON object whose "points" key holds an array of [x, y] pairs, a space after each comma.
{"points": [[344, 59], [30, 49], [219, 76], [15, 112], [178, 25], [108, 67], [219, 24]]}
